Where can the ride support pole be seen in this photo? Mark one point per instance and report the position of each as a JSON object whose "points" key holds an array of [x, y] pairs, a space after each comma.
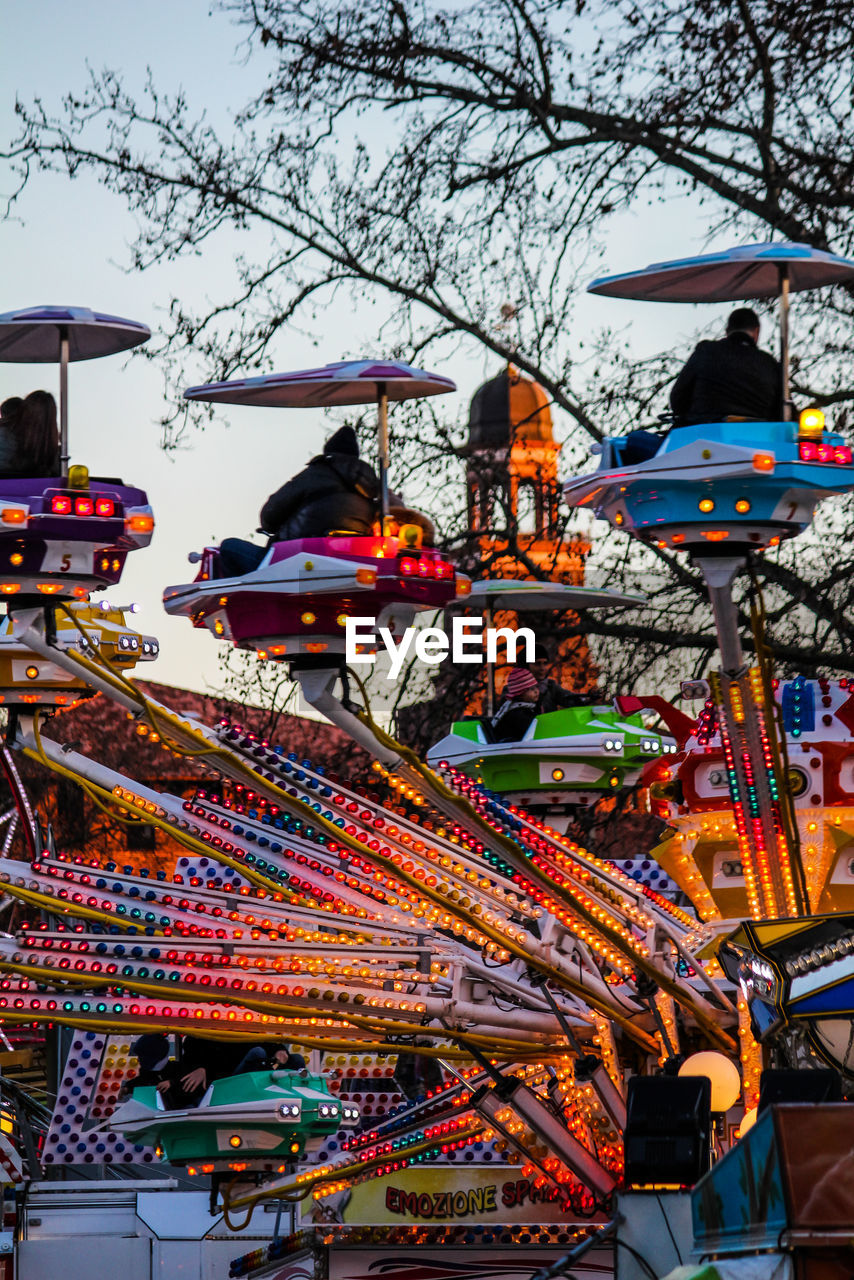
{"points": [[784, 340], [719, 573], [755, 783], [382, 418], [64, 354]]}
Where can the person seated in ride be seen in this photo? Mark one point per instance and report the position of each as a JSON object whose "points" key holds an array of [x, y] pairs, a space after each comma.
{"points": [[156, 1067], [203, 1061], [336, 492], [10, 412], [730, 378], [270, 1056], [518, 708], [29, 439], [553, 696]]}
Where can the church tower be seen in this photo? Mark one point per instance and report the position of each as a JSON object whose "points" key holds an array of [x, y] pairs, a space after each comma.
{"points": [[512, 483]]}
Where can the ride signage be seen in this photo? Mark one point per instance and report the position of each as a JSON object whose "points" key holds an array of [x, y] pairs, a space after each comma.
{"points": [[476, 1194]]}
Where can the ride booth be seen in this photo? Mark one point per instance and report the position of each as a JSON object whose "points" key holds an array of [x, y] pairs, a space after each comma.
{"points": [[780, 1203]]}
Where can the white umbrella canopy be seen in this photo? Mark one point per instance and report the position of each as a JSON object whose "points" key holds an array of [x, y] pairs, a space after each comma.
{"points": [[33, 336], [747, 271], [345, 382], [58, 335], [522, 597]]}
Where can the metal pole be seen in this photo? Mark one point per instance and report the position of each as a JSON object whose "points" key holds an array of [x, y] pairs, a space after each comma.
{"points": [[382, 408], [490, 666], [719, 574], [784, 341], [64, 348]]}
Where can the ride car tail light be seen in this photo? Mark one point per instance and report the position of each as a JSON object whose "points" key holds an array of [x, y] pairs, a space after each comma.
{"points": [[69, 504], [367, 577], [763, 462], [139, 523], [443, 569], [408, 566], [426, 568], [812, 451], [14, 515]]}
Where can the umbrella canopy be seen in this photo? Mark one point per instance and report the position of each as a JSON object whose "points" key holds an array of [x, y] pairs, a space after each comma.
{"points": [[57, 335], [749, 271], [34, 336], [346, 382], [510, 593]]}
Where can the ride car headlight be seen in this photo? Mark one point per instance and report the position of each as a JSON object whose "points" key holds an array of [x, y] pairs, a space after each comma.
{"points": [[289, 1110]]}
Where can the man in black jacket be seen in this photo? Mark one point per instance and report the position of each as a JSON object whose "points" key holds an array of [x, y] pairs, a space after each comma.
{"points": [[730, 378], [336, 491]]}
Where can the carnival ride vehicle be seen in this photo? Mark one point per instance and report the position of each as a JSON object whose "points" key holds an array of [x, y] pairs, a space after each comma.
{"points": [[259, 1119], [723, 487], [62, 537], [574, 754], [27, 679], [295, 605], [726, 486], [566, 757], [441, 913], [298, 600]]}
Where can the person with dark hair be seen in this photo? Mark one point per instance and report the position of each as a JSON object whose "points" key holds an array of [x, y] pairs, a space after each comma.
{"points": [[10, 412], [204, 1061], [29, 439], [156, 1067], [38, 437], [730, 378], [518, 707], [335, 492]]}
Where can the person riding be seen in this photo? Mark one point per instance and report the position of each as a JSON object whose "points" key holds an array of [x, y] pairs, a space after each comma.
{"points": [[730, 378], [553, 696], [182, 1082], [29, 438], [518, 707], [336, 492]]}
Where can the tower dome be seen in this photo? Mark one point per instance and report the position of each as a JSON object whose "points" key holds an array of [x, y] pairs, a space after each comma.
{"points": [[507, 409]]}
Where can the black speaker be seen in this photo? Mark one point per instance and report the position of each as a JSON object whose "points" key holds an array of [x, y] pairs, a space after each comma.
{"points": [[668, 1128], [821, 1085]]}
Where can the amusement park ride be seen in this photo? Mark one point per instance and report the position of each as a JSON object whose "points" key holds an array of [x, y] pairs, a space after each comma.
{"points": [[436, 915]]}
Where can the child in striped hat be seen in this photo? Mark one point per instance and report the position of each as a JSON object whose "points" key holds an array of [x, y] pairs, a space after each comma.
{"points": [[518, 708]]}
